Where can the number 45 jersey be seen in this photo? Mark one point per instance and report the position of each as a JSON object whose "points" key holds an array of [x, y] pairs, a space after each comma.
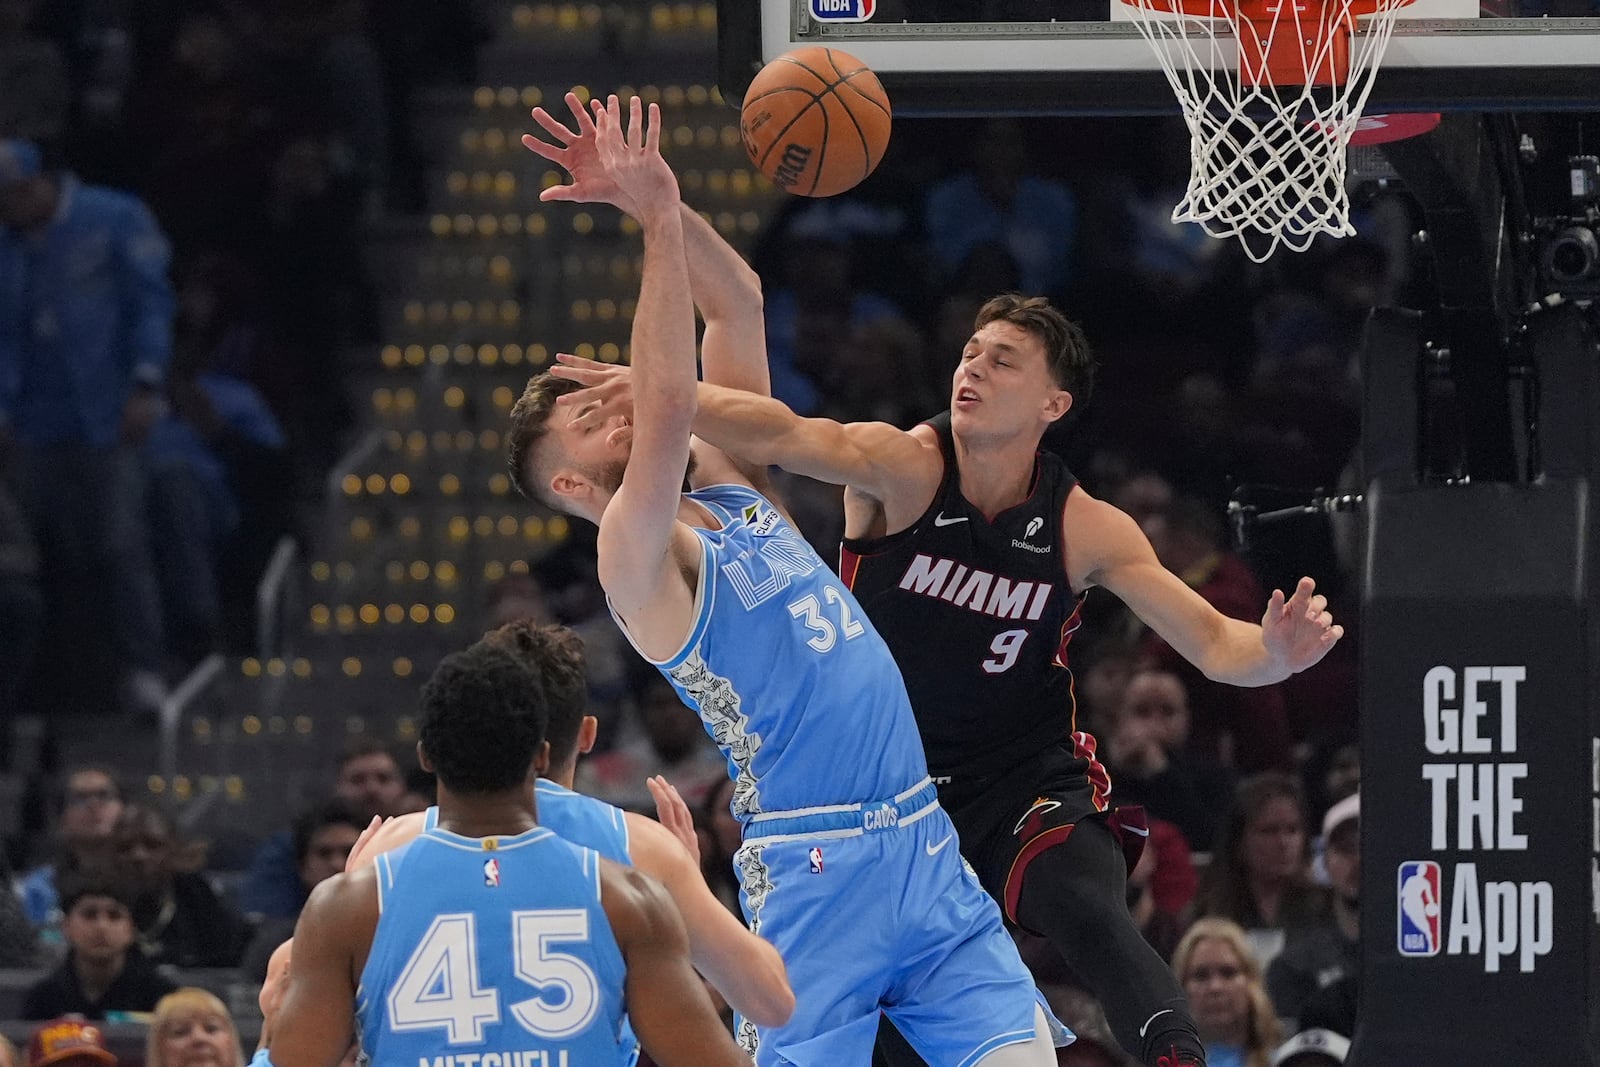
{"points": [[492, 952], [978, 612], [789, 677]]}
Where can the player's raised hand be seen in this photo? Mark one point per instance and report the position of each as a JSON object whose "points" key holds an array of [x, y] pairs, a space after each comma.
{"points": [[1299, 631], [607, 391], [674, 815], [577, 152], [631, 151], [353, 859]]}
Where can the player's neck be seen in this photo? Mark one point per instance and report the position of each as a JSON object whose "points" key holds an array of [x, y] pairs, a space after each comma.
{"points": [[504, 814], [564, 777], [995, 474]]}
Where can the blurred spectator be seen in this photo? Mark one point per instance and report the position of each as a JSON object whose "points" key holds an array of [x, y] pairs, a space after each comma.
{"points": [[104, 970], [91, 804], [1249, 725], [881, 373], [1312, 1048], [1258, 875], [1316, 955], [192, 1028], [18, 940], [323, 838], [720, 837], [69, 1043], [8, 1053], [21, 604], [85, 339], [33, 77], [1161, 888], [1001, 201], [1145, 753], [180, 920], [1101, 671], [370, 782], [1222, 980], [666, 738]]}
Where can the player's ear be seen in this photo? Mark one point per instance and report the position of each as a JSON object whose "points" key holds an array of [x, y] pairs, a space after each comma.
{"points": [[1057, 403], [422, 759], [588, 732], [541, 759]]}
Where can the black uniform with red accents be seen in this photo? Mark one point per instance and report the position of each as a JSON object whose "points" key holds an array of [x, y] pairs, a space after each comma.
{"points": [[978, 612]]}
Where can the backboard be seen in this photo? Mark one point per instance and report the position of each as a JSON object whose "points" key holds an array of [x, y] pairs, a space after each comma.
{"points": [[952, 57]]}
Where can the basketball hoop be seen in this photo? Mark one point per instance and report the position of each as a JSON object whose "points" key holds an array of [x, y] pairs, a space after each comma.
{"points": [[1272, 93]]}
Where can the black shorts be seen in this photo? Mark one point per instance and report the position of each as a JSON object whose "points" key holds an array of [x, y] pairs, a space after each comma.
{"points": [[1006, 820]]}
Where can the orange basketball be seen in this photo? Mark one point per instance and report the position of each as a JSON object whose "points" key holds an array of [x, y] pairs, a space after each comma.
{"points": [[815, 121]]}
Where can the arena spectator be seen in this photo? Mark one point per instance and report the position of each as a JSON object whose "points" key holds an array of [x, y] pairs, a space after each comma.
{"points": [[192, 1028], [91, 804], [662, 737], [1312, 1048], [19, 941], [69, 1043], [1319, 953], [180, 919], [323, 838], [1258, 876], [1222, 980], [104, 969]]}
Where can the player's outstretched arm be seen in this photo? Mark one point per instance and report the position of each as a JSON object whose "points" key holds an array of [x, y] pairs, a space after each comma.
{"points": [[669, 1009], [744, 968], [316, 1020], [1108, 549]]}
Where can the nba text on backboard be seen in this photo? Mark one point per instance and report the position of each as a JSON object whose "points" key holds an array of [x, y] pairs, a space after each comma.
{"points": [[1475, 808]]}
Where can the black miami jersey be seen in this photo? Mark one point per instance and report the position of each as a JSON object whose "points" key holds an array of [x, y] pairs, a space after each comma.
{"points": [[978, 613]]}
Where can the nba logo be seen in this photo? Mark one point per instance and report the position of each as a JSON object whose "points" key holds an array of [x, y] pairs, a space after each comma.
{"points": [[1418, 891], [816, 860], [843, 10], [491, 873]]}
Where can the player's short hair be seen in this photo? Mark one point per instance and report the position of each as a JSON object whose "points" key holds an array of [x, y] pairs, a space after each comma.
{"points": [[483, 720], [530, 424], [555, 654], [1066, 349]]}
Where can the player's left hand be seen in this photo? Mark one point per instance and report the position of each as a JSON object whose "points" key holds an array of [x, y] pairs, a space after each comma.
{"points": [[606, 386], [630, 148], [675, 815], [353, 859], [1299, 631], [578, 153]]}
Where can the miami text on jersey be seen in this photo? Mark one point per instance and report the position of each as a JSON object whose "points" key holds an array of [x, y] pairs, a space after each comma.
{"points": [[977, 590]]}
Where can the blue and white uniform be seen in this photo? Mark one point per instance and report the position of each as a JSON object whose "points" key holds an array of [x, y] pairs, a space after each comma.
{"points": [[492, 951], [848, 866]]}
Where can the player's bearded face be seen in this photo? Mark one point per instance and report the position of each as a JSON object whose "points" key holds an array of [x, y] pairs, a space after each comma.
{"points": [[608, 474]]}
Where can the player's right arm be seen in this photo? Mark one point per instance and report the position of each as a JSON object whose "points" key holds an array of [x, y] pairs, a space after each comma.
{"points": [[316, 1019], [669, 1008], [744, 968]]}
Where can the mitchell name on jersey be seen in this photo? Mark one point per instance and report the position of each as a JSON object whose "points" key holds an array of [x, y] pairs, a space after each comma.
{"points": [[976, 590]]}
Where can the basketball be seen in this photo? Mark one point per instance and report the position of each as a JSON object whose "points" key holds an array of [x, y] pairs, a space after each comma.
{"points": [[815, 121]]}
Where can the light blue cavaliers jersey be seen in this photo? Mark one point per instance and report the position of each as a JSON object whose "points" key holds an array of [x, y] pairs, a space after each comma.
{"points": [[789, 677], [583, 820], [492, 952]]}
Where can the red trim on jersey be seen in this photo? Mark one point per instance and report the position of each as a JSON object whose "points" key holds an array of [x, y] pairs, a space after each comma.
{"points": [[1083, 747], [849, 565], [1019, 866], [1069, 628]]}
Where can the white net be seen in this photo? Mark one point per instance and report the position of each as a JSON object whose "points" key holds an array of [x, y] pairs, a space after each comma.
{"points": [[1268, 143]]}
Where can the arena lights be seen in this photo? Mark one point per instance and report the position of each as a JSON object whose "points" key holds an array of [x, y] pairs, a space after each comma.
{"points": [[351, 667], [445, 572], [419, 570], [302, 668], [303, 724], [320, 571], [401, 667]]}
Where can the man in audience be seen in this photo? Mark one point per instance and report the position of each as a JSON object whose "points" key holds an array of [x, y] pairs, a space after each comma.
{"points": [[1312, 1048], [1319, 954], [90, 806], [323, 838], [104, 970], [69, 1043]]}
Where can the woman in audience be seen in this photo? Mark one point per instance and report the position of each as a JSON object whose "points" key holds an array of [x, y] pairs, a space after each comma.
{"points": [[1227, 997], [1258, 876], [192, 1028], [181, 921]]}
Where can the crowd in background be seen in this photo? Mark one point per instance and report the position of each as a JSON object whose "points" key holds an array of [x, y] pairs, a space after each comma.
{"points": [[190, 182]]}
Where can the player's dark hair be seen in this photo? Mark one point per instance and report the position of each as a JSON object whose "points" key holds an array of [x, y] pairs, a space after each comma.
{"points": [[1066, 349], [555, 654], [530, 424], [310, 823], [483, 720]]}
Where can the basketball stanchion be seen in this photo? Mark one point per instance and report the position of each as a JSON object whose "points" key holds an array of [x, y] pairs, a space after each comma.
{"points": [[1272, 94]]}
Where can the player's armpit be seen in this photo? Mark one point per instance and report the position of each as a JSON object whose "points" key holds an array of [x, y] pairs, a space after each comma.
{"points": [[317, 1018], [745, 969], [668, 1006]]}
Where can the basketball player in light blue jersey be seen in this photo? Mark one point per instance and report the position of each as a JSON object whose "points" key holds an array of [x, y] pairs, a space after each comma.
{"points": [[746, 970], [848, 866], [489, 939]]}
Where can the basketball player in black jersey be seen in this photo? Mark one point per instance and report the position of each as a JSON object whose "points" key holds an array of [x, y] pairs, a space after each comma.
{"points": [[971, 550]]}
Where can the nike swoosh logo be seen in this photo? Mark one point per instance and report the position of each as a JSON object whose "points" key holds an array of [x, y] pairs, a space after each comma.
{"points": [[1152, 1019], [934, 850], [1142, 832], [940, 520]]}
